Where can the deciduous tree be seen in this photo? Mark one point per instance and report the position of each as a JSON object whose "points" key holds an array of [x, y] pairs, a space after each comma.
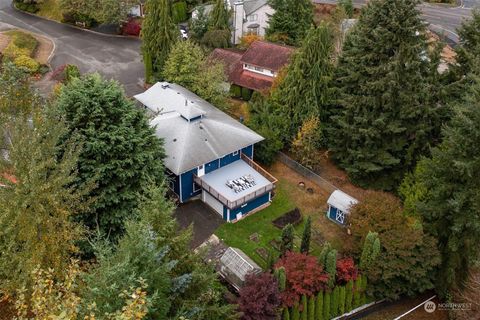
{"points": [[346, 270], [259, 297], [304, 277]]}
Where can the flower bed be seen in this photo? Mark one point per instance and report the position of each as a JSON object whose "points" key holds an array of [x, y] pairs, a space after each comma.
{"points": [[293, 217]]}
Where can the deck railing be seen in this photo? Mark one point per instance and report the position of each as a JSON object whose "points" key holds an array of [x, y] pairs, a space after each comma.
{"points": [[247, 197]]}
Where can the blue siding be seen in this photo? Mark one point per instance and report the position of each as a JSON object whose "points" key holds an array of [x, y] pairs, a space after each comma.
{"points": [[187, 185], [229, 158], [332, 213], [255, 203], [248, 151], [211, 166], [225, 213]]}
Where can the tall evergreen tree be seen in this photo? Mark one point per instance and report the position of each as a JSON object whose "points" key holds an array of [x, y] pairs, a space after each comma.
{"points": [[287, 239], [347, 5], [319, 306], [331, 266], [159, 33], [291, 20], [306, 91], [307, 233], [450, 207], [304, 314], [120, 150], [370, 251], [469, 49], [385, 119], [219, 16]]}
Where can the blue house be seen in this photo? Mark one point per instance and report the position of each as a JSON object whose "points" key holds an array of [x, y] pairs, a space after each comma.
{"points": [[209, 155], [339, 204]]}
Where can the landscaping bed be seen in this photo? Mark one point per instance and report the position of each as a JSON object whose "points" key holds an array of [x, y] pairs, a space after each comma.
{"points": [[293, 217], [256, 233]]}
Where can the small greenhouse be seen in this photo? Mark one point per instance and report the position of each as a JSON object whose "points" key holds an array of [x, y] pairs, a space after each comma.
{"points": [[339, 204], [235, 265]]}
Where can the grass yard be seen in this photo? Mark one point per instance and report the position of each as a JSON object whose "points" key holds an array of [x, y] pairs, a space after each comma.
{"points": [[288, 196], [50, 9]]}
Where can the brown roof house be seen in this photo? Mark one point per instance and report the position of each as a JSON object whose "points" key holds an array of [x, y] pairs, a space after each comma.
{"points": [[253, 69]]}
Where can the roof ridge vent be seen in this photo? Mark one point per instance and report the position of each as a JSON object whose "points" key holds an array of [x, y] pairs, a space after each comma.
{"points": [[165, 86]]}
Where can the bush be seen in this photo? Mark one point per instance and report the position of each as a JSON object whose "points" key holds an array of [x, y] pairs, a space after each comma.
{"points": [[21, 44], [132, 28], [74, 17], [179, 11], [217, 38], [28, 7], [26, 62], [71, 72], [248, 39], [235, 91], [259, 297], [246, 94], [293, 217], [12, 51], [346, 270]]}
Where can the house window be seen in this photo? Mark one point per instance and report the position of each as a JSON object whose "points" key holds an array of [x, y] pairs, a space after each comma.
{"points": [[258, 69], [340, 216], [253, 31], [252, 17]]}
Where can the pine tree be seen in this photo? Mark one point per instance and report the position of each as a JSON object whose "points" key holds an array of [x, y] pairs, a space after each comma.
{"points": [[295, 312], [341, 300], [370, 251], [120, 150], [307, 233], [450, 207], [291, 20], [385, 119], [159, 33], [306, 91], [331, 267], [304, 314], [349, 296], [363, 297], [319, 306], [286, 314], [322, 258], [326, 305], [287, 239], [219, 16], [469, 49], [335, 302], [311, 308], [357, 292], [281, 278]]}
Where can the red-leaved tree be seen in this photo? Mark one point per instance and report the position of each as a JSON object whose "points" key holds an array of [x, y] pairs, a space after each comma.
{"points": [[346, 270], [304, 277], [259, 297]]}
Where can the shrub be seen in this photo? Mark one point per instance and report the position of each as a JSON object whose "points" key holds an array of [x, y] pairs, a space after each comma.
{"points": [[179, 11], [346, 270], [217, 38], [71, 72], [28, 7], [304, 277], [23, 40], [12, 51], [246, 94], [326, 305], [349, 296], [260, 297], [248, 39], [235, 91], [26, 62], [132, 28]]}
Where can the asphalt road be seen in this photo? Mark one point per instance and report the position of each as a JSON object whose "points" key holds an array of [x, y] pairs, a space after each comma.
{"points": [[442, 20], [113, 57]]}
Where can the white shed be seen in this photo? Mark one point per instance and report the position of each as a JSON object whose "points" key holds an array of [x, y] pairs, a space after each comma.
{"points": [[339, 204]]}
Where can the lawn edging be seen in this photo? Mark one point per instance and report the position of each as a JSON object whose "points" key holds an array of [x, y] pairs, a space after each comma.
{"points": [[74, 26]]}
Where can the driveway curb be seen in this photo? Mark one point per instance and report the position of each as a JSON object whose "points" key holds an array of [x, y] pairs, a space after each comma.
{"points": [[75, 27]]}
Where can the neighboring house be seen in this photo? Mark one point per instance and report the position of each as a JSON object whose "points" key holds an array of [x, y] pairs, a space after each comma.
{"points": [[256, 68], [248, 16], [139, 9], [235, 265], [208, 153], [339, 204]]}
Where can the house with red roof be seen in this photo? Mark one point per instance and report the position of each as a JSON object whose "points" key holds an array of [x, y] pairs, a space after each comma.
{"points": [[254, 69]]}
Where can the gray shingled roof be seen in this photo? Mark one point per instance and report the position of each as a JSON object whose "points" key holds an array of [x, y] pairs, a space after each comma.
{"points": [[189, 144], [250, 6]]}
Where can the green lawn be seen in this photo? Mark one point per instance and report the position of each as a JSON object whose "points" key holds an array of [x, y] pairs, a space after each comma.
{"points": [[237, 234]]}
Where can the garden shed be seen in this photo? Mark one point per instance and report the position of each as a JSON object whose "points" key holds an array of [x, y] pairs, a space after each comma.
{"points": [[235, 265], [339, 204]]}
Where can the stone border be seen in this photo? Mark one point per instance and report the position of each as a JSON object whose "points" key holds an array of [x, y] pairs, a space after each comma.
{"points": [[75, 27]]}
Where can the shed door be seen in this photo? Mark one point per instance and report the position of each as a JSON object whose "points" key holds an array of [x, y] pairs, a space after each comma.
{"points": [[212, 202]]}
